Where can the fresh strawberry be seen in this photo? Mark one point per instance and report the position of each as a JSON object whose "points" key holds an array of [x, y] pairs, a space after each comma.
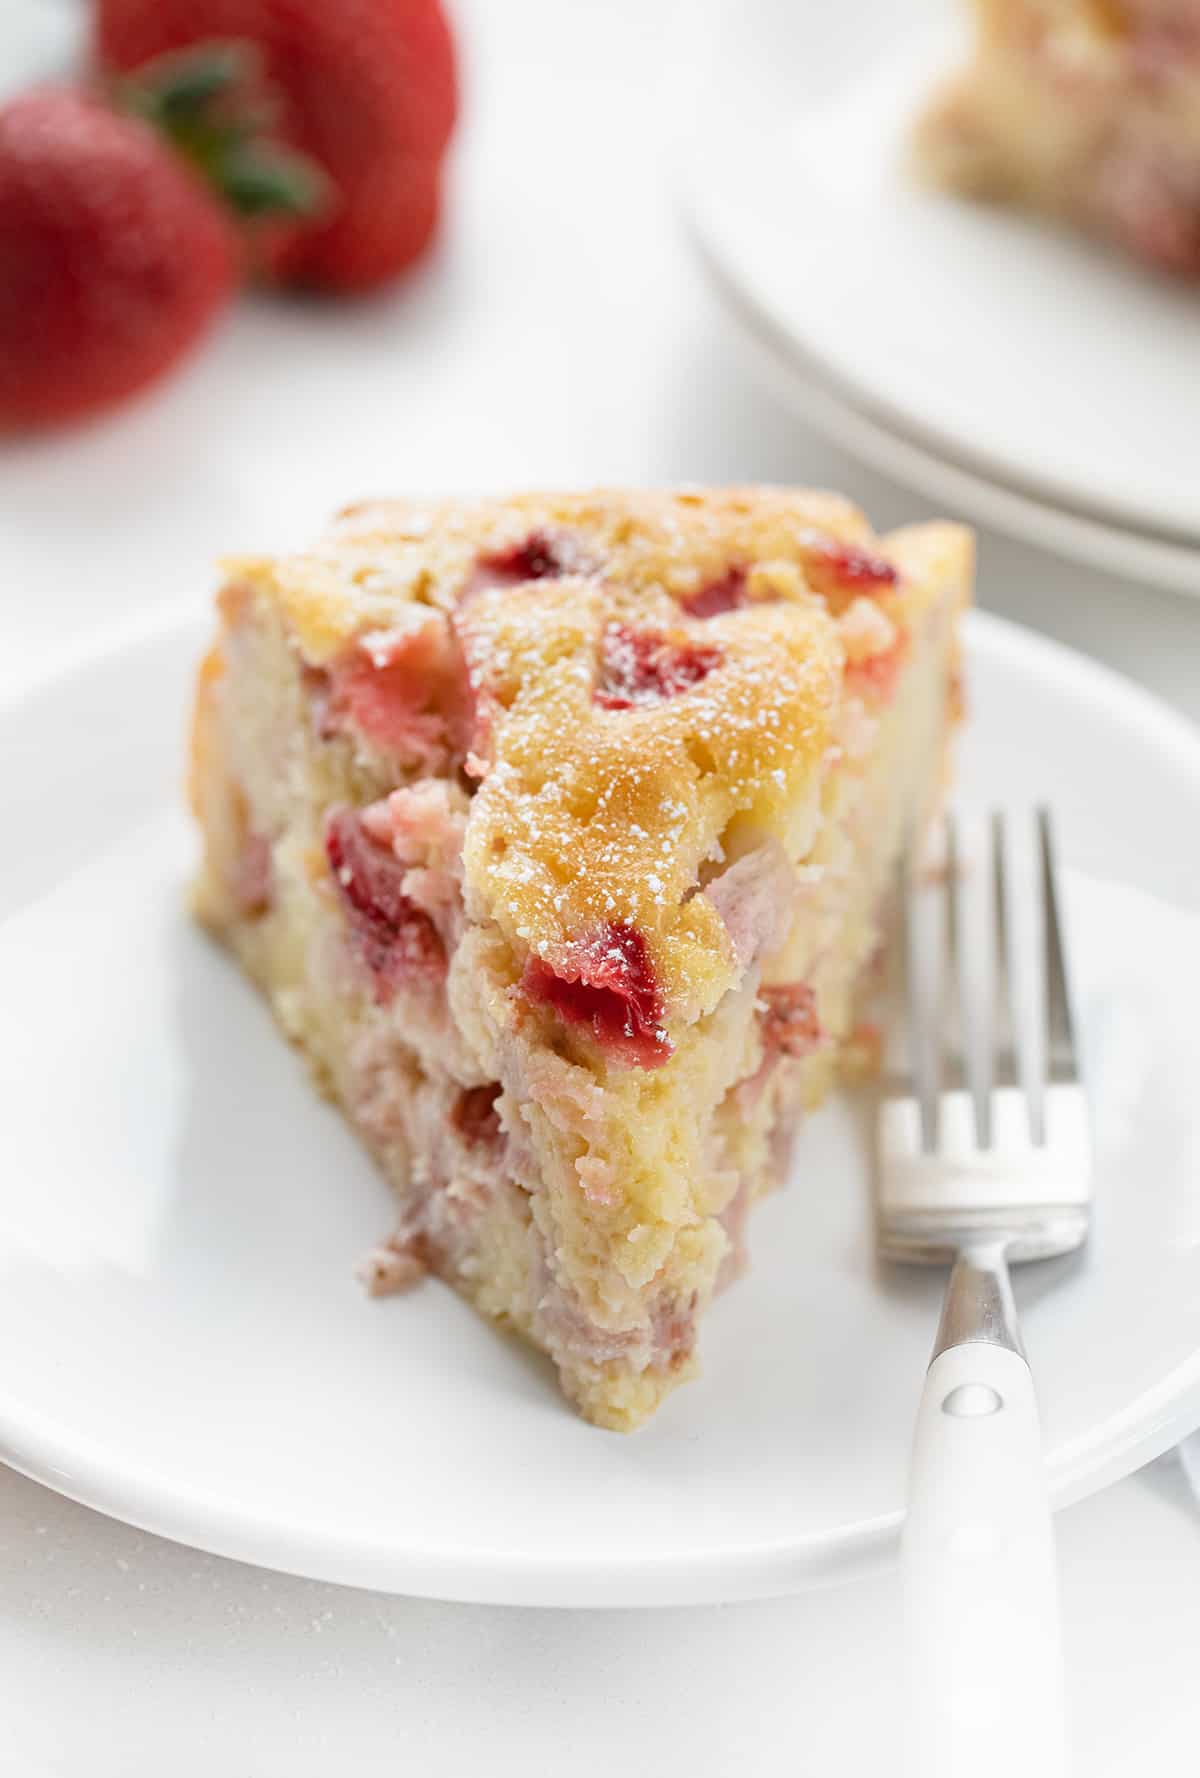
{"points": [[369, 92], [117, 244], [114, 257]]}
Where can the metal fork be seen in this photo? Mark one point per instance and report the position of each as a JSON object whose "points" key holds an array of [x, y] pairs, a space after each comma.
{"points": [[984, 1160]]}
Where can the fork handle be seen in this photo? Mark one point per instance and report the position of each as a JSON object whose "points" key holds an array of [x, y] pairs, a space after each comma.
{"points": [[981, 1594]]}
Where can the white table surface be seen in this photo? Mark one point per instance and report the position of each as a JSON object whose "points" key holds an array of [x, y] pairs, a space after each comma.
{"points": [[561, 336]]}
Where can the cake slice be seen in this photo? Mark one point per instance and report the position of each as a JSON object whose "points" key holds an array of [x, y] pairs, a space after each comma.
{"points": [[1088, 110], [558, 830]]}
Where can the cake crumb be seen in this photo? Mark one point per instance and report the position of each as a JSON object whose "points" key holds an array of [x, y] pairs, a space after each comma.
{"points": [[388, 1269]]}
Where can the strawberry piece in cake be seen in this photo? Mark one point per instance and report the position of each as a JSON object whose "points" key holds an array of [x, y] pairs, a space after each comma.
{"points": [[605, 983], [640, 667], [1088, 110], [558, 831]]}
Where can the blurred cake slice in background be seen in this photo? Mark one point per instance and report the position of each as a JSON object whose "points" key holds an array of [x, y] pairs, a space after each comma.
{"points": [[559, 831], [1088, 110]]}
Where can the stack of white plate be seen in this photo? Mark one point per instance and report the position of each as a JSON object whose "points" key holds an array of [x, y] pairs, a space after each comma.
{"points": [[1020, 376]]}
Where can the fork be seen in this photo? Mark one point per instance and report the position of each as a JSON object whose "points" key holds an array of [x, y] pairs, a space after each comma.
{"points": [[984, 1161]]}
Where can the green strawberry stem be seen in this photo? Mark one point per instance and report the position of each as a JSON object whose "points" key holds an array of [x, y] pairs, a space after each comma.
{"points": [[214, 106]]}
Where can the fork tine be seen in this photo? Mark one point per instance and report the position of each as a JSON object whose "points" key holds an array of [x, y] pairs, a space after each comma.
{"points": [[1007, 1058], [955, 1065], [1060, 1033], [922, 1054], [1003, 1057], [974, 1014]]}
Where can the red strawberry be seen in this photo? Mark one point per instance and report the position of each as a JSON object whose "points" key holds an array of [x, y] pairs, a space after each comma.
{"points": [[606, 981], [369, 92], [114, 257], [639, 667]]}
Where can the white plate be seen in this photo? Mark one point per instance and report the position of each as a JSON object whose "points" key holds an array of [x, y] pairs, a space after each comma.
{"points": [[184, 1345], [1023, 352], [1151, 560]]}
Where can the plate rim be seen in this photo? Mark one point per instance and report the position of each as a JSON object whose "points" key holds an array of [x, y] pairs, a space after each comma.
{"points": [[697, 155], [44, 1449], [1162, 562]]}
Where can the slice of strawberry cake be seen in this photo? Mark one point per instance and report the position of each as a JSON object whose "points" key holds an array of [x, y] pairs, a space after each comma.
{"points": [[558, 831], [1088, 110]]}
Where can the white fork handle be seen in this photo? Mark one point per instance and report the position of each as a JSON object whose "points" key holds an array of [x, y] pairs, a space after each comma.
{"points": [[985, 1679]]}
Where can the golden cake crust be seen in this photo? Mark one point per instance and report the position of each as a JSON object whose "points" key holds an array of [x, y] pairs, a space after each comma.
{"points": [[383, 554], [602, 807], [590, 815]]}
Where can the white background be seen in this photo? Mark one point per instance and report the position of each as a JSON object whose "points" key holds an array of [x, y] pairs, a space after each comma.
{"points": [[562, 335]]}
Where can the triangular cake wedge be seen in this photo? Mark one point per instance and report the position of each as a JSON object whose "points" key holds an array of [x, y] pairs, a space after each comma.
{"points": [[558, 831]]}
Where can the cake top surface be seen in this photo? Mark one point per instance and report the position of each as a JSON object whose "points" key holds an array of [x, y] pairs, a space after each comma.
{"points": [[639, 690], [380, 556]]}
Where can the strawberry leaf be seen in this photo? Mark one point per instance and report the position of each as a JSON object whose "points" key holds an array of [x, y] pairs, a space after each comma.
{"points": [[184, 85], [266, 179], [214, 105]]}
